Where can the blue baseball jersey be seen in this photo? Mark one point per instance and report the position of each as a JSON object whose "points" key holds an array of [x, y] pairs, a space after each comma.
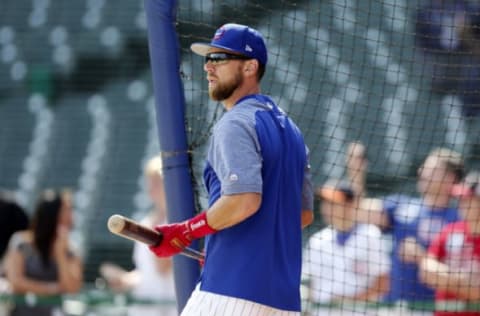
{"points": [[408, 217], [256, 148]]}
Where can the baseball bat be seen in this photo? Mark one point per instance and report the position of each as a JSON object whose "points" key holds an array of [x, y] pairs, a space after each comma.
{"points": [[130, 229]]}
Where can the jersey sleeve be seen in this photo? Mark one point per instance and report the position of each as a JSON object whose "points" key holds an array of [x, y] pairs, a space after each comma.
{"points": [[236, 156], [390, 206]]}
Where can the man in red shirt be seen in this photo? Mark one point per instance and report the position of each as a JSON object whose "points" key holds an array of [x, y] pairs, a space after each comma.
{"points": [[452, 266]]}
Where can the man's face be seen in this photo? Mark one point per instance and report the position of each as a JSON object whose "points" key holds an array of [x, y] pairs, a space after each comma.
{"points": [[224, 78], [335, 213], [434, 178], [470, 208]]}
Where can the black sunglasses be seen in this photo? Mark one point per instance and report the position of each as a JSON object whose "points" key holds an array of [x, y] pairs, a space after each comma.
{"points": [[222, 58]]}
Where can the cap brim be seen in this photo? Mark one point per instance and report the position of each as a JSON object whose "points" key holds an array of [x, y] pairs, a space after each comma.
{"points": [[203, 49], [200, 48], [461, 190], [332, 195]]}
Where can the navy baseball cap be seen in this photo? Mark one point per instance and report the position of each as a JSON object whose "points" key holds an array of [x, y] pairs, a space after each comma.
{"points": [[236, 38], [337, 191]]}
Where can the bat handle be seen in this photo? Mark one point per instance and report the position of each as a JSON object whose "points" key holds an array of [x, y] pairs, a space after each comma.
{"points": [[187, 251], [192, 253]]}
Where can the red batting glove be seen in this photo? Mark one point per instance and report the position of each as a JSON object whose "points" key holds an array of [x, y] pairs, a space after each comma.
{"points": [[177, 236]]}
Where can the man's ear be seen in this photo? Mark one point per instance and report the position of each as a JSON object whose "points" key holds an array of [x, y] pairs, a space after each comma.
{"points": [[251, 67]]}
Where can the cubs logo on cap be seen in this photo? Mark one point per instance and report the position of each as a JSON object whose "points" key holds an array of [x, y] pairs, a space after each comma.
{"points": [[218, 34], [236, 38]]}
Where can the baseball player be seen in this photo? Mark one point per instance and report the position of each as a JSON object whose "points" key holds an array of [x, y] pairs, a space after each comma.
{"points": [[260, 193], [346, 260], [452, 266]]}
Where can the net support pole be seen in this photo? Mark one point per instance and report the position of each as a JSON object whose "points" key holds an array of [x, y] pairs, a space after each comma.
{"points": [[170, 114]]}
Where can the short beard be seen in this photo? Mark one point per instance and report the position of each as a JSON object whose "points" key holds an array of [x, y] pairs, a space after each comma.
{"points": [[224, 91]]}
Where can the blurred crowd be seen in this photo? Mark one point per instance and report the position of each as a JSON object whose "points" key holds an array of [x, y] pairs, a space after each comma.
{"points": [[402, 249], [390, 249], [38, 256], [397, 248]]}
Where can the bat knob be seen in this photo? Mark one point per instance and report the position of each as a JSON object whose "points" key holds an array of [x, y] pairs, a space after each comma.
{"points": [[116, 223]]}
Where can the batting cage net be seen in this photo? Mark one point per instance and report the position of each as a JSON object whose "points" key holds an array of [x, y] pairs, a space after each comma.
{"points": [[376, 87], [386, 93]]}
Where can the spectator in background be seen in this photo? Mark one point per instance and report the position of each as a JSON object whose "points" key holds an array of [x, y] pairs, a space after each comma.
{"points": [[452, 266], [438, 28], [413, 222], [40, 260], [346, 260], [13, 219], [471, 31], [446, 32], [470, 76], [152, 278]]}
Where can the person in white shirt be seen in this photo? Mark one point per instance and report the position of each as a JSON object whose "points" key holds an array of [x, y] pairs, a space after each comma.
{"points": [[346, 260], [152, 279]]}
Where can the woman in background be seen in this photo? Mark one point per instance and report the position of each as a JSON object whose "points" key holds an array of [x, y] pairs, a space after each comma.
{"points": [[40, 260]]}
